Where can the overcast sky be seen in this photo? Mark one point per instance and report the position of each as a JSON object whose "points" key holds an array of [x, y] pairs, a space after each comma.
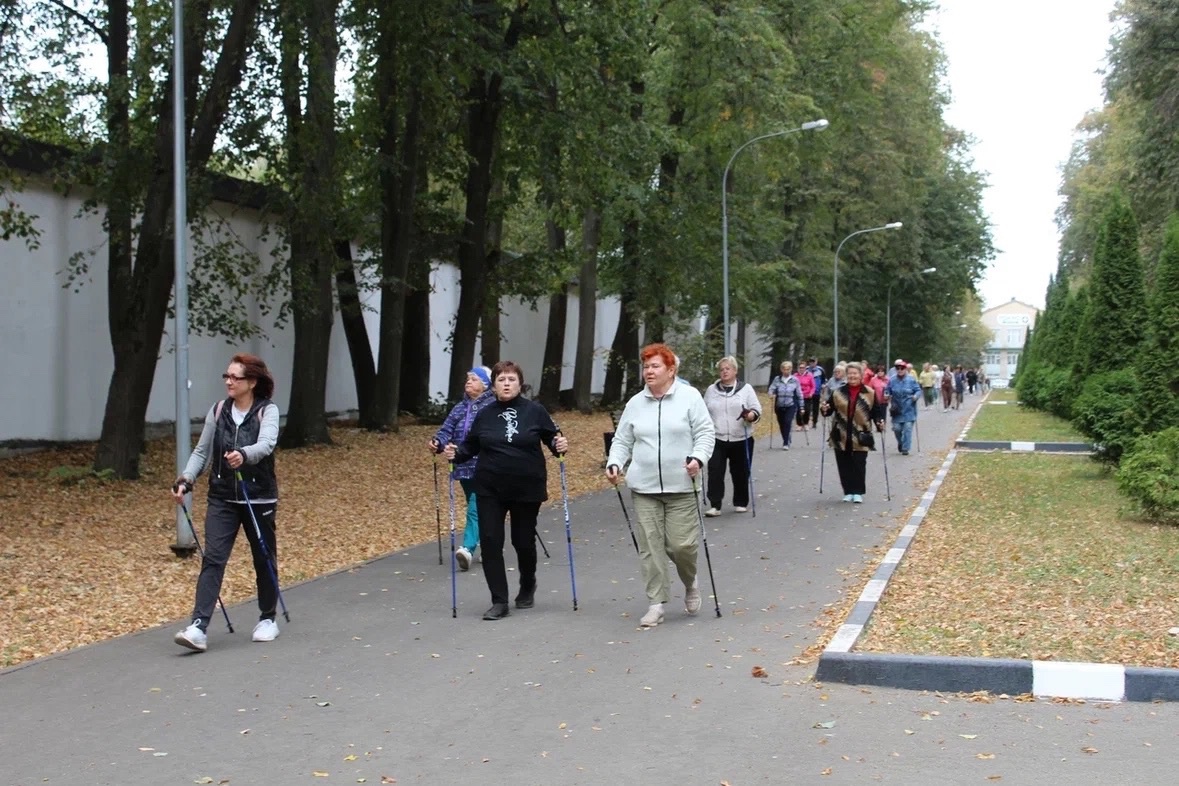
{"points": [[1022, 74]]}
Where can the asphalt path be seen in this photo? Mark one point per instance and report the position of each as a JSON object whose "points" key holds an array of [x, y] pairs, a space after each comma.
{"points": [[372, 679]]}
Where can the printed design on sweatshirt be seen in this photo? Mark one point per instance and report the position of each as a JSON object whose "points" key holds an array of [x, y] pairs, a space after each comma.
{"points": [[512, 428]]}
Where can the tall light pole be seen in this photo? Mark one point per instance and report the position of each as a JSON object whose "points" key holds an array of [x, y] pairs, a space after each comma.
{"points": [[184, 544], [813, 125], [835, 276], [888, 312]]}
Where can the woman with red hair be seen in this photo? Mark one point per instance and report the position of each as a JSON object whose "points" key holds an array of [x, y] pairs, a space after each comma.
{"points": [[666, 436], [239, 436]]}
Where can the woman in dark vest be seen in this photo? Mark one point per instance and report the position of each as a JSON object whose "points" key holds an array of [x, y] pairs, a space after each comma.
{"points": [[855, 411], [239, 435]]}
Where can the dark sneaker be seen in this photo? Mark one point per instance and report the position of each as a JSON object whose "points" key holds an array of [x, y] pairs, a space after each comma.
{"points": [[526, 598], [497, 611]]}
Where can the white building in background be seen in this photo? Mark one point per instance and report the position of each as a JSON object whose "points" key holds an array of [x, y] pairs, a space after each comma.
{"points": [[1008, 324]]}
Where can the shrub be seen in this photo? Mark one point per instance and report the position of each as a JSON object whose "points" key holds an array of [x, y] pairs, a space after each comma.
{"points": [[1058, 391], [1107, 412], [1149, 474], [1027, 384]]}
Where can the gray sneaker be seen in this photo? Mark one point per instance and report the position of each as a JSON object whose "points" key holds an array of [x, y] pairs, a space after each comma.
{"points": [[653, 617], [192, 637], [692, 598]]}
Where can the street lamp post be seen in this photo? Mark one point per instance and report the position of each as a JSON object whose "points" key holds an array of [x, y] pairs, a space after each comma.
{"points": [[835, 276], [813, 125], [888, 311]]}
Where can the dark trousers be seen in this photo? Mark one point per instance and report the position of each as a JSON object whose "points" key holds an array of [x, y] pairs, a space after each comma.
{"points": [[737, 456], [492, 515], [222, 521], [786, 422], [810, 411], [852, 466]]}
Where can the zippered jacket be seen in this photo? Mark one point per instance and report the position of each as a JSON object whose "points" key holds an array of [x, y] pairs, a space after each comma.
{"points": [[726, 406], [656, 435], [786, 391], [457, 424], [255, 438]]}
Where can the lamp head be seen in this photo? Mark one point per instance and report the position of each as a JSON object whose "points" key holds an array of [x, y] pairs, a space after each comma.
{"points": [[894, 225], [815, 125], [929, 270]]}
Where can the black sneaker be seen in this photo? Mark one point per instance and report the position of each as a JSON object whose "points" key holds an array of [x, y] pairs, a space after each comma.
{"points": [[526, 598], [497, 611]]}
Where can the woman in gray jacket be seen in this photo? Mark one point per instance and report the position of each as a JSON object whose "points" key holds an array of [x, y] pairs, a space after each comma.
{"points": [[734, 407], [666, 434], [786, 393]]}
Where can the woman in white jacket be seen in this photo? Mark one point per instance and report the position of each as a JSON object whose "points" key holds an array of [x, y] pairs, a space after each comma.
{"points": [[665, 433], [734, 407]]}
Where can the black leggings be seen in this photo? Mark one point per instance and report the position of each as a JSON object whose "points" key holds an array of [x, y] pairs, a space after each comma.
{"points": [[492, 515], [853, 467], [737, 456]]}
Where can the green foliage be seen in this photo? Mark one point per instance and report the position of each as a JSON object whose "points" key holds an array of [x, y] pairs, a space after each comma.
{"points": [[698, 355], [1112, 325], [1107, 410], [1047, 388], [1149, 474], [1159, 361]]}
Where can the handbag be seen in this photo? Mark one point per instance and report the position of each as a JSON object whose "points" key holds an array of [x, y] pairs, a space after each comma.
{"points": [[866, 439]]}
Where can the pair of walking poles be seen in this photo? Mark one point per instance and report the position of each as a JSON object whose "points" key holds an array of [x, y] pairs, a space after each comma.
{"points": [[271, 568], [703, 534], [453, 559]]}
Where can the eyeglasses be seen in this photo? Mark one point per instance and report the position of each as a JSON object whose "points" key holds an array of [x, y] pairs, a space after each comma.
{"points": [[234, 377]]}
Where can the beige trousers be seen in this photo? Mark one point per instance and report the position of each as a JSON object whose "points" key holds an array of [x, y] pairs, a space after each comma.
{"points": [[668, 528]]}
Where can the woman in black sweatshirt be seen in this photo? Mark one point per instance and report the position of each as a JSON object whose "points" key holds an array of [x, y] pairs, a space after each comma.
{"points": [[510, 478]]}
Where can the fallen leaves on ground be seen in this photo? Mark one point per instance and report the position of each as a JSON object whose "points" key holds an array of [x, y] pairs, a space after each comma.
{"points": [[86, 560]]}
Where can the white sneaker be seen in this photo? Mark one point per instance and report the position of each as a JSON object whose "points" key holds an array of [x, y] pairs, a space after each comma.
{"points": [[740, 509], [463, 558], [848, 497], [266, 630], [653, 617], [712, 512], [692, 598], [192, 637]]}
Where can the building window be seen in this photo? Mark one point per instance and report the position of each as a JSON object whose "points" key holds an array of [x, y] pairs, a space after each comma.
{"points": [[1012, 359], [1015, 337], [992, 359], [998, 338]]}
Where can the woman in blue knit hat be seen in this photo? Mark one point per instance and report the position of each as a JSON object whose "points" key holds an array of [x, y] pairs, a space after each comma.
{"points": [[454, 429]]}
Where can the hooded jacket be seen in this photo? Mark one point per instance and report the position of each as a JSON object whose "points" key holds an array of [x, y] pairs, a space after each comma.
{"points": [[726, 406]]}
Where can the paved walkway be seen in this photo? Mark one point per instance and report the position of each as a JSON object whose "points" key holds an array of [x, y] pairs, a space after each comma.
{"points": [[373, 678]]}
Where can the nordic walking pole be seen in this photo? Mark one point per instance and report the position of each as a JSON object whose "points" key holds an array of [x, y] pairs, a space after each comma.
{"points": [[270, 563], [884, 455], [704, 537], [627, 517], [201, 551], [806, 434], [453, 580], [542, 546], [770, 445], [917, 430], [749, 469], [568, 531], [823, 453], [438, 511]]}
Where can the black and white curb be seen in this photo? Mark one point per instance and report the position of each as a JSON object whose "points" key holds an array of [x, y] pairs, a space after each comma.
{"points": [[1016, 446], [1094, 681]]}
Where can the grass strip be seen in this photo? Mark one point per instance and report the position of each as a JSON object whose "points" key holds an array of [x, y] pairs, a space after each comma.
{"points": [[1030, 556], [1006, 422]]}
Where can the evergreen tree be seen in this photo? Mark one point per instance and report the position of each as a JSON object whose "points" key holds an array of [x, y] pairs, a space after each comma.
{"points": [[1112, 328], [1159, 362]]}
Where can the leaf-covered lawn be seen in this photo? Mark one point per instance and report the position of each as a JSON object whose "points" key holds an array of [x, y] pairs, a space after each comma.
{"points": [[1031, 556], [1006, 422], [85, 560]]}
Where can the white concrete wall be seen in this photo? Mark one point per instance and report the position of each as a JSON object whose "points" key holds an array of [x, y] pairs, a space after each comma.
{"points": [[55, 344]]}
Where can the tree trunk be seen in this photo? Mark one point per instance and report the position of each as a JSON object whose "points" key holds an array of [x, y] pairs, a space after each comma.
{"points": [[587, 311], [415, 348], [311, 146], [739, 329], [364, 370], [138, 291], [484, 103], [623, 360], [554, 340]]}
